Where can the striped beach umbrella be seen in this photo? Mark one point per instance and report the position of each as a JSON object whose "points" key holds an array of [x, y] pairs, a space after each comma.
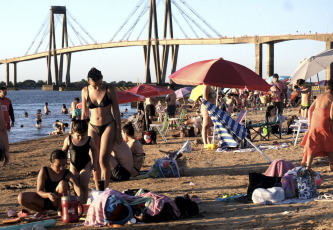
{"points": [[230, 132]]}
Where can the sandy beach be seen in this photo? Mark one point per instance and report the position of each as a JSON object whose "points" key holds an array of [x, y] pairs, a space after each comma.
{"points": [[210, 174]]}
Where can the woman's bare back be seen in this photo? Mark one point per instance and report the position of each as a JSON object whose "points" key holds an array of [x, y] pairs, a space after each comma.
{"points": [[324, 101]]}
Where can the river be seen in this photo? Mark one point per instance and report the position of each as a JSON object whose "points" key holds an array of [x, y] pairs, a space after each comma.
{"points": [[32, 100]]}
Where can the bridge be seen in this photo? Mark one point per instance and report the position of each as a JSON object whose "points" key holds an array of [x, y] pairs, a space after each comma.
{"points": [[154, 42]]}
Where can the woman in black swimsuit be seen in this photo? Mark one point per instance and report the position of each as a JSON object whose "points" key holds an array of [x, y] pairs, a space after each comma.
{"points": [[52, 182], [82, 159], [105, 124]]}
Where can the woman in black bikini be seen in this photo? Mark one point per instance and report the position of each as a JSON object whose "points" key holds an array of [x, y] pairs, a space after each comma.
{"points": [[105, 123], [52, 182], [82, 159]]}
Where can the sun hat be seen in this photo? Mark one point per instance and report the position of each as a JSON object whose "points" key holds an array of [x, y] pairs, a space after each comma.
{"points": [[147, 137]]}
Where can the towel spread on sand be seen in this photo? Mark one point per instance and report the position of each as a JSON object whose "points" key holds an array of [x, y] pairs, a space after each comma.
{"points": [[279, 168], [318, 140]]}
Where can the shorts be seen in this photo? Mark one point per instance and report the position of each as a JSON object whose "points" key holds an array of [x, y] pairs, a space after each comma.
{"points": [[76, 113], [171, 110], [48, 205], [119, 173], [39, 121], [150, 110]]}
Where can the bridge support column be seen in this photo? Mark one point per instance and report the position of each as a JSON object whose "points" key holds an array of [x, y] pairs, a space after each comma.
{"points": [[7, 74], [259, 59], [270, 59], [329, 75], [14, 74]]}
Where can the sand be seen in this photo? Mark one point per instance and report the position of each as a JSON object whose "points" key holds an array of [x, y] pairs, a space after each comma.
{"points": [[209, 175]]}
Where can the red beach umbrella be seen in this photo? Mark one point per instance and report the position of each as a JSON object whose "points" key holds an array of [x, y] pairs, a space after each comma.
{"points": [[220, 73], [126, 97], [150, 90]]}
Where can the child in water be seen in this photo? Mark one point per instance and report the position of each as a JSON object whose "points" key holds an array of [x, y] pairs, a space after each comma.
{"points": [[82, 160], [52, 182], [39, 118], [59, 128]]}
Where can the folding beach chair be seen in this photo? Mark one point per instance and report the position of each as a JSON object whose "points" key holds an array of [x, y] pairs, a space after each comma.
{"points": [[162, 128], [301, 125], [265, 128], [178, 120]]}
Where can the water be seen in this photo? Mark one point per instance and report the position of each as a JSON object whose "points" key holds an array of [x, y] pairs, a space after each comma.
{"points": [[31, 100]]}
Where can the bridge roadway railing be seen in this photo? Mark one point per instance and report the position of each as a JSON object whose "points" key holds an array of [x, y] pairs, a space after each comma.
{"points": [[202, 41]]}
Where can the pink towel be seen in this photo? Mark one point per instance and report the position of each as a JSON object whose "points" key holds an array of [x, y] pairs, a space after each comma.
{"points": [[279, 168]]}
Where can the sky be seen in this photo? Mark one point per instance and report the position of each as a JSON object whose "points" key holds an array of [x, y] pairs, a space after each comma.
{"points": [[20, 20]]}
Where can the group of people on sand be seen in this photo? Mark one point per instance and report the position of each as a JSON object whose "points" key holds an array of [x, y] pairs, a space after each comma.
{"points": [[96, 146]]}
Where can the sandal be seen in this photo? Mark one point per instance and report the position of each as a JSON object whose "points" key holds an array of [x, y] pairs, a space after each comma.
{"points": [[325, 197]]}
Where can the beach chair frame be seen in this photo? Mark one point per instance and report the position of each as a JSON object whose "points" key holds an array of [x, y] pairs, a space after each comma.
{"points": [[162, 128]]}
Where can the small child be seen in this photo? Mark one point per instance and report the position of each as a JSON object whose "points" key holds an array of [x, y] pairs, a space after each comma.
{"points": [[82, 160], [39, 118], [135, 146], [46, 109], [59, 128], [52, 182]]}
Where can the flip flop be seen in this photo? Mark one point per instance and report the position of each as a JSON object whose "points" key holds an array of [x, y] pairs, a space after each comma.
{"points": [[23, 213], [325, 197]]}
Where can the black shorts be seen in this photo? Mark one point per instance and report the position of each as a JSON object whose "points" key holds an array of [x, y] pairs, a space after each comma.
{"points": [[305, 107], [39, 121], [48, 205], [171, 110], [150, 110], [119, 173]]}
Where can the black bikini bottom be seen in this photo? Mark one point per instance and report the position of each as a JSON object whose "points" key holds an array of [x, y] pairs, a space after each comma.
{"points": [[100, 129]]}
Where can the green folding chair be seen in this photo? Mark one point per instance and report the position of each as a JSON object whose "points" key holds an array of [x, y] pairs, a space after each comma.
{"points": [[179, 121]]}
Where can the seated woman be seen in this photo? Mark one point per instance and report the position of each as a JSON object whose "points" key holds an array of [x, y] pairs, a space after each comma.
{"points": [[196, 121], [271, 117], [136, 148], [52, 182]]}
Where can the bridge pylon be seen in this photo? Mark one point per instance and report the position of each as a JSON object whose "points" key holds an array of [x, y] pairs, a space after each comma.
{"points": [[58, 69]]}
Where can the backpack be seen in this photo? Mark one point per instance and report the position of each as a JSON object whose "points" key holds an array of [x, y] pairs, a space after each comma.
{"points": [[186, 206], [164, 167], [152, 134], [289, 186]]}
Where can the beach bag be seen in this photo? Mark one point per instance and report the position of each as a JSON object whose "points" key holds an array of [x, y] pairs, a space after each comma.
{"points": [[306, 184], [164, 167], [268, 196], [117, 211], [289, 185], [148, 137], [186, 206]]}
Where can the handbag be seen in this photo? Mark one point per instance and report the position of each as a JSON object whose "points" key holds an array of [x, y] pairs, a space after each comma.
{"points": [[306, 184]]}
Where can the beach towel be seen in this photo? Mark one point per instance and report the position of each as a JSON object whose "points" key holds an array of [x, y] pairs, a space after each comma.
{"points": [[318, 140], [279, 168]]}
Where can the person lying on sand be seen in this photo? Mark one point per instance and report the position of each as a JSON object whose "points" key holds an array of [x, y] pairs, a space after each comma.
{"points": [[52, 182], [135, 147]]}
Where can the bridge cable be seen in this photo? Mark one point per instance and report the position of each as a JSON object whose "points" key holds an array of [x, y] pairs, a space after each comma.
{"points": [[126, 20], [144, 10], [185, 18], [177, 22], [78, 35], [146, 23], [57, 21], [46, 31], [141, 14], [203, 20], [38, 33], [68, 34], [71, 15], [194, 22]]}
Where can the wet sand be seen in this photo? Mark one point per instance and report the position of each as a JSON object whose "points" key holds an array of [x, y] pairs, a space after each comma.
{"points": [[209, 175]]}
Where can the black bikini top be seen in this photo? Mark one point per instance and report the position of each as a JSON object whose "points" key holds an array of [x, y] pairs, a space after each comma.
{"points": [[105, 101]]}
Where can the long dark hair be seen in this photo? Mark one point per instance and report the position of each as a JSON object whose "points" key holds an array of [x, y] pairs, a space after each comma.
{"points": [[94, 74], [80, 126]]}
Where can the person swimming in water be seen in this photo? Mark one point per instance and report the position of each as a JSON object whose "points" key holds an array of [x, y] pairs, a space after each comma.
{"points": [[83, 161]]}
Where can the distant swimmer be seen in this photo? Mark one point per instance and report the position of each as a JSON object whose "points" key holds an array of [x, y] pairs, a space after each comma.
{"points": [[46, 109], [25, 114], [39, 118], [64, 109]]}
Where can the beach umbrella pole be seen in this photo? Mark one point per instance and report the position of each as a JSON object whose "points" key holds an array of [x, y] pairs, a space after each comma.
{"points": [[318, 83], [248, 140]]}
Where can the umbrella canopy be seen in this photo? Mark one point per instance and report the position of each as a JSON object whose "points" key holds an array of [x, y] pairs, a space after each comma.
{"points": [[180, 93], [126, 97], [281, 78], [322, 83], [150, 90], [220, 73], [228, 130], [312, 65], [196, 93]]}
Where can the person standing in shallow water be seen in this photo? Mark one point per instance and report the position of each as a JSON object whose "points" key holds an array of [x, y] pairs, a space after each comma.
{"points": [[105, 123]]}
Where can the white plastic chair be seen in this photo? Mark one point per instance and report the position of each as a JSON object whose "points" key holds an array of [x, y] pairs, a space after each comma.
{"points": [[162, 128], [297, 128]]}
